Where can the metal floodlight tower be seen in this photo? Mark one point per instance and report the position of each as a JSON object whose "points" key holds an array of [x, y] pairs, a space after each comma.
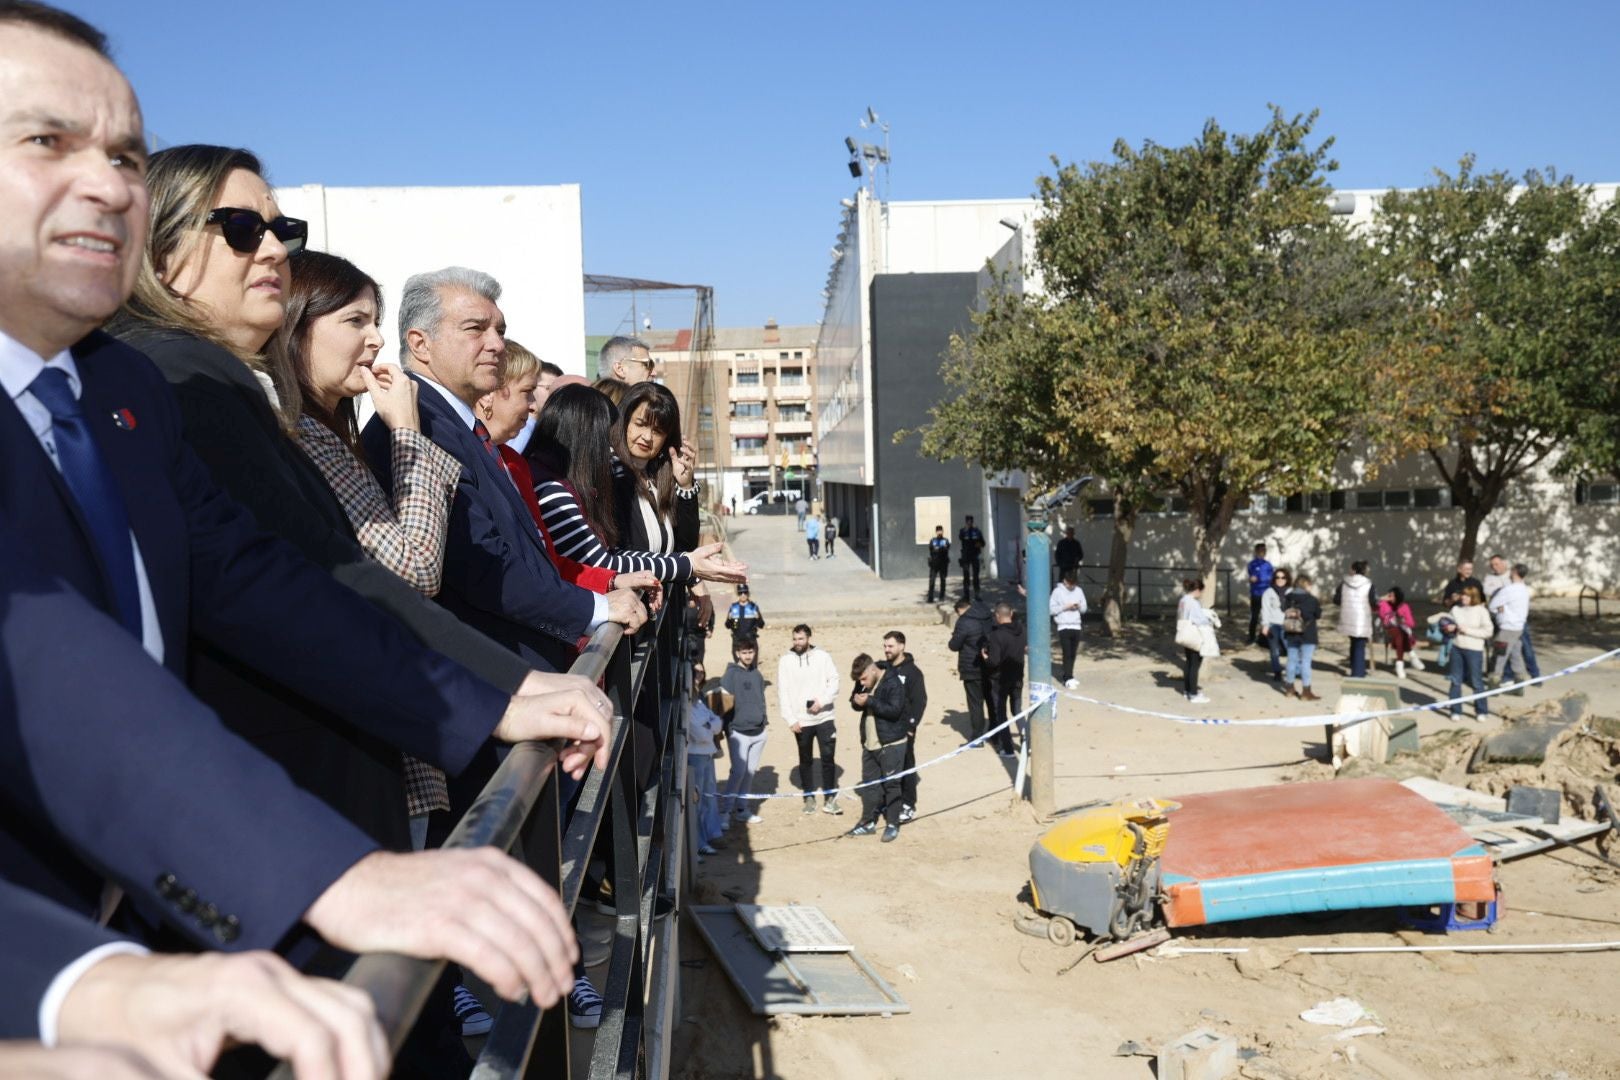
{"points": [[876, 155]]}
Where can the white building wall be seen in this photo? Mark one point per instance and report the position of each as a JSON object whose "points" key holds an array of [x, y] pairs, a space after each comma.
{"points": [[1565, 545], [528, 237]]}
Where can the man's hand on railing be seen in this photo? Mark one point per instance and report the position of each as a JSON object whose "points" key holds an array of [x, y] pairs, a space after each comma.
{"points": [[625, 606], [180, 1012], [476, 907], [708, 565], [583, 719], [549, 682]]}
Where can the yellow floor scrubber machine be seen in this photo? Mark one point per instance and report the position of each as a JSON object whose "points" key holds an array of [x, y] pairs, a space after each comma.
{"points": [[1098, 871]]}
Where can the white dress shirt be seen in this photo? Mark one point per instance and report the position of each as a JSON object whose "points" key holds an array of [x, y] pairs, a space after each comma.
{"points": [[50, 1006], [19, 367], [599, 609]]}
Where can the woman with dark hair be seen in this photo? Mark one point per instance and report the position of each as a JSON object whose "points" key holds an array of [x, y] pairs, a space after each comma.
{"points": [[1395, 616], [210, 295], [331, 342], [656, 495], [1191, 617], [571, 458]]}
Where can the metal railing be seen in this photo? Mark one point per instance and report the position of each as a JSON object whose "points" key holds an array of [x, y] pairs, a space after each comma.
{"points": [[1597, 602], [1157, 586], [638, 797]]}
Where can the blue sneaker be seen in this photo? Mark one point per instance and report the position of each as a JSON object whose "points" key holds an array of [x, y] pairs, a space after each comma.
{"points": [[475, 1019], [584, 1005]]}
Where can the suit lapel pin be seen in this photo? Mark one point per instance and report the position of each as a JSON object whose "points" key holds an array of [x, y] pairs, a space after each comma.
{"points": [[124, 419]]}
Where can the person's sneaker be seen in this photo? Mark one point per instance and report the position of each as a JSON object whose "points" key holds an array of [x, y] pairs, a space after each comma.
{"points": [[907, 813], [865, 828], [809, 804], [1198, 699], [707, 849], [831, 807], [1417, 662], [1006, 751], [584, 1005], [475, 1019], [1071, 684], [891, 833], [1492, 682], [1400, 669], [753, 819]]}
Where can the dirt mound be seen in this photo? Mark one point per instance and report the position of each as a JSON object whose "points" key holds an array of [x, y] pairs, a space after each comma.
{"points": [[1577, 760]]}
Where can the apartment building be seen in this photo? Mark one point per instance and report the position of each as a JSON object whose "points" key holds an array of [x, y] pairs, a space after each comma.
{"points": [[750, 412]]}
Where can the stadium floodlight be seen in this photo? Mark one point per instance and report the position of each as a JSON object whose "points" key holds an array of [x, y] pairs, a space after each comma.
{"points": [[1012, 223], [849, 144], [847, 204], [855, 167]]}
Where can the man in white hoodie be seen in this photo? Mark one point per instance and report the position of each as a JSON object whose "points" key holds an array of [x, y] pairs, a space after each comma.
{"points": [[807, 694], [1068, 606]]}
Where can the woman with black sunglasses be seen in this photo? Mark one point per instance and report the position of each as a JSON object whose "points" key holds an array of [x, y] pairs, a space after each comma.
{"points": [[211, 294]]}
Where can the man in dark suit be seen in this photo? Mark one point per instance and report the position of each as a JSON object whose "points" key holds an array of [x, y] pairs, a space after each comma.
{"points": [[68, 983], [498, 575], [101, 491]]}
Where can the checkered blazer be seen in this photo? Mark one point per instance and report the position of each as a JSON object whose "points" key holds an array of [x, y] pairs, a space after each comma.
{"points": [[406, 537]]}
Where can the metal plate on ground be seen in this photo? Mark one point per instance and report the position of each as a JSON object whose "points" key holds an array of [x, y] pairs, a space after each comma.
{"points": [[826, 984], [792, 928]]}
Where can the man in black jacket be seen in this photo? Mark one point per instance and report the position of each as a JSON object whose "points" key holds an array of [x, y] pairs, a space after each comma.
{"points": [[904, 668], [972, 550], [1068, 554], [1004, 650], [967, 642], [939, 562], [881, 697]]}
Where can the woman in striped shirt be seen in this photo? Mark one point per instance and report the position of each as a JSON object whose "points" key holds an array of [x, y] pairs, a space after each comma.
{"points": [[572, 460]]}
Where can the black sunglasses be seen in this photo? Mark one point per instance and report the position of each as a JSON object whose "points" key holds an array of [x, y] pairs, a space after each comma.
{"points": [[244, 229]]}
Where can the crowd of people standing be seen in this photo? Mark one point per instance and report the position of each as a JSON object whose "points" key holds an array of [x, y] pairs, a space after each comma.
{"points": [[322, 627]]}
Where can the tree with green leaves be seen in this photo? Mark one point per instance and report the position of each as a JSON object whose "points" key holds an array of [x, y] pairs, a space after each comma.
{"points": [[1515, 289], [1205, 327]]}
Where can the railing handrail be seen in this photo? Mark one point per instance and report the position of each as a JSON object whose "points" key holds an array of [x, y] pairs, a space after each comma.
{"points": [[400, 985]]}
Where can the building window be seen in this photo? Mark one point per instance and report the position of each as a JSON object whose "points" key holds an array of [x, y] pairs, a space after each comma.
{"points": [[1602, 493], [747, 378], [1434, 498], [748, 445], [793, 413], [798, 354], [791, 376], [748, 410], [781, 356]]}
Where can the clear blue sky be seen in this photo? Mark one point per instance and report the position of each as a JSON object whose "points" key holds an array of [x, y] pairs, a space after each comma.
{"points": [[708, 137]]}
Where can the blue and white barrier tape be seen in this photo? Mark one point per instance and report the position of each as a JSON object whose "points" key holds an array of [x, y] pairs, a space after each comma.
{"points": [[1038, 699], [1344, 719], [1041, 693]]}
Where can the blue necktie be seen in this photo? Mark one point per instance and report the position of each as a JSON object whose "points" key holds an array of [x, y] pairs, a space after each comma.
{"points": [[99, 500]]}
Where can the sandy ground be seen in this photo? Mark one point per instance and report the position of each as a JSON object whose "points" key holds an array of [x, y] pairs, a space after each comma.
{"points": [[933, 912]]}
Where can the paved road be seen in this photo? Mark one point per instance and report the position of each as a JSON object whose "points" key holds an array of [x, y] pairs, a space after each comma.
{"points": [[791, 587]]}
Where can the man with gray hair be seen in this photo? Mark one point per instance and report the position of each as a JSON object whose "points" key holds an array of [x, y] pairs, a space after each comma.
{"points": [[498, 575], [627, 359]]}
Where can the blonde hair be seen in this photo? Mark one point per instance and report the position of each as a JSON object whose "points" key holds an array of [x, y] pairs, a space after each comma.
{"points": [[517, 363], [184, 182]]}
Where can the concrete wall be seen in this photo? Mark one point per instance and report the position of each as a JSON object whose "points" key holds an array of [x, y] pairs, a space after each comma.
{"points": [[1566, 546], [913, 318], [528, 237]]}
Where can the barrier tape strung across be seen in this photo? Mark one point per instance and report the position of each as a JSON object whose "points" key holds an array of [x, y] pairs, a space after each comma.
{"points": [[1041, 693], [1345, 719], [1038, 699]]}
